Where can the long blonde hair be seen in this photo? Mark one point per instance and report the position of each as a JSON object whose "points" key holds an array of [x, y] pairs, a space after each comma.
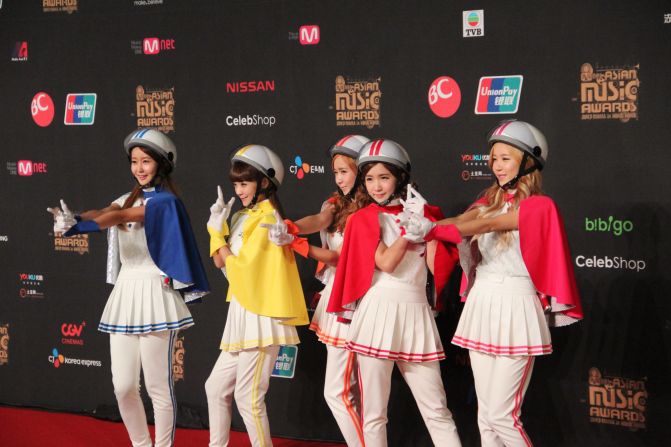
{"points": [[527, 185]]}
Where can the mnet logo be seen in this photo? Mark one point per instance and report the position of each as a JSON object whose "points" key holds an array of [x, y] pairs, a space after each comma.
{"points": [[309, 34], [154, 45], [301, 168], [27, 168], [20, 53]]}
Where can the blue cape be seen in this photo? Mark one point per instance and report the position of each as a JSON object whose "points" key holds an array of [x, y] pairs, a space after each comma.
{"points": [[172, 244]]}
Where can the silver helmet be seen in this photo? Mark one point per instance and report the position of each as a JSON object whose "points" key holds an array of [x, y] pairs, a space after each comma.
{"points": [[349, 145], [386, 151], [524, 137], [263, 159], [154, 140]]}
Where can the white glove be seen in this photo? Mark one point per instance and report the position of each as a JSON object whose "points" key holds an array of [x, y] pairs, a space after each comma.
{"points": [[416, 228], [64, 219], [278, 233], [219, 211], [414, 202]]}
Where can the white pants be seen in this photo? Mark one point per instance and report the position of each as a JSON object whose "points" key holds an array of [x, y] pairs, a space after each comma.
{"points": [[500, 383], [245, 376], [341, 393], [427, 388], [152, 354]]}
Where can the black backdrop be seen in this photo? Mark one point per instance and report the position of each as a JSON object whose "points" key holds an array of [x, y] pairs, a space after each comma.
{"points": [[607, 383]]}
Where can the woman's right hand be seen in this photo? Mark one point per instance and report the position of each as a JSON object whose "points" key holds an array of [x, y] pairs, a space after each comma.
{"points": [[64, 219], [219, 212]]}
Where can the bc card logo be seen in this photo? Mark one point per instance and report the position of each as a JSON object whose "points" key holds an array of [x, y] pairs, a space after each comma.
{"points": [[80, 109], [285, 364], [498, 94]]}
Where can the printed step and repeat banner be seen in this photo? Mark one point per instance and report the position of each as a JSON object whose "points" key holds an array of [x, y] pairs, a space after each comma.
{"points": [[76, 76]]}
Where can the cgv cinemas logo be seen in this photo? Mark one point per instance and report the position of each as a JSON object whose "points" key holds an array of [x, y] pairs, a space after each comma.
{"points": [[357, 102], [178, 358], [155, 108], [617, 400], [609, 93], [4, 344]]}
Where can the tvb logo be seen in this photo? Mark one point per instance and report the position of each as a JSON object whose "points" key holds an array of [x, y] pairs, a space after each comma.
{"points": [[610, 225]]}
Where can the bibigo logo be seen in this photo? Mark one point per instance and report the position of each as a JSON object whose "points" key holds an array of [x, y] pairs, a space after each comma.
{"points": [[610, 225], [300, 168]]}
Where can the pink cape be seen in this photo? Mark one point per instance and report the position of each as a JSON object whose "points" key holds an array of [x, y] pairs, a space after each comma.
{"points": [[547, 257]]}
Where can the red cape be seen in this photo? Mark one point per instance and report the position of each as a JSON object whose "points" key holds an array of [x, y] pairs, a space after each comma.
{"points": [[547, 257], [356, 264]]}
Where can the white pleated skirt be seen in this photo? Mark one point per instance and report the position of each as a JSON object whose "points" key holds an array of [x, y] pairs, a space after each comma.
{"points": [[503, 316], [326, 325], [247, 330], [139, 303], [395, 322]]}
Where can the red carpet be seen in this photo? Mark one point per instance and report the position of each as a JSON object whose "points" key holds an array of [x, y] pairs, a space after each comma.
{"points": [[29, 428]]}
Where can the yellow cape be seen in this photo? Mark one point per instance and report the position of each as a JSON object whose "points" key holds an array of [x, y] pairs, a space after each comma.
{"points": [[263, 277]]}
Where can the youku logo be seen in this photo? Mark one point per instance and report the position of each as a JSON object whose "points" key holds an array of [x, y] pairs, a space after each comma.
{"points": [[357, 102], [155, 108], [58, 359], [300, 168], [476, 167], [31, 285], [617, 400], [610, 225], [609, 93]]}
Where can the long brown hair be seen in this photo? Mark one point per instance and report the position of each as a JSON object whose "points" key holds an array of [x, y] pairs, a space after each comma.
{"points": [[242, 172], [343, 206], [363, 199], [161, 179], [527, 185]]}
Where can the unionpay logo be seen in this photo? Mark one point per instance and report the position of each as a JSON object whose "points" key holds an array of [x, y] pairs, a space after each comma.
{"points": [[42, 109], [498, 94], [300, 168], [444, 96], [474, 23], [80, 109]]}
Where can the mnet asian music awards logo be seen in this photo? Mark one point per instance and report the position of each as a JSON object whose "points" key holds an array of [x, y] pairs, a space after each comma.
{"points": [[498, 94], [301, 168], [475, 167], [42, 109], [73, 244], [68, 6], [155, 108], [357, 101], [20, 52], [609, 93], [444, 96], [80, 109], [307, 35], [4, 344], [26, 168], [285, 363], [474, 23], [615, 400]]}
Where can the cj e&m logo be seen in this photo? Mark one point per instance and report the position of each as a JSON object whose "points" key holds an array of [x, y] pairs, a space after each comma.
{"points": [[80, 109], [474, 23], [444, 96], [20, 52], [609, 225], [72, 333], [498, 94], [250, 86], [300, 168], [42, 109]]}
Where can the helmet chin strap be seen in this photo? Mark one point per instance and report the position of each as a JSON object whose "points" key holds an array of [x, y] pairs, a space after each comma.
{"points": [[512, 183]]}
